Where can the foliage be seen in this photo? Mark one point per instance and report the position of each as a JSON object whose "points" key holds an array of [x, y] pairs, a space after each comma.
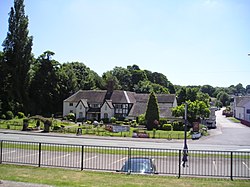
{"points": [[163, 121], [178, 126], [141, 119], [195, 110], [17, 58], [3, 116], [224, 98], [71, 116], [167, 127], [9, 115], [20, 115], [152, 111], [112, 119]]}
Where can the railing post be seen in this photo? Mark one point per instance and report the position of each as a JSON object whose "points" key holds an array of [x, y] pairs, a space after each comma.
{"points": [[39, 156], [231, 168], [129, 160], [82, 156], [1, 151], [179, 164]]}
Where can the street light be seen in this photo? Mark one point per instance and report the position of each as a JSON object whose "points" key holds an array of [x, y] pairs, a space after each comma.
{"points": [[185, 149]]}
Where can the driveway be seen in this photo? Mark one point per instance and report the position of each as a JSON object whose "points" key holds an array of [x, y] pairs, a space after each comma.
{"points": [[227, 133]]}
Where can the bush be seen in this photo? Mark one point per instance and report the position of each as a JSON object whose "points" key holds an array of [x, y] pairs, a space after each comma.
{"points": [[141, 119], [3, 116], [178, 126], [112, 120], [20, 115], [71, 116], [9, 115], [163, 121], [105, 120], [167, 127]]}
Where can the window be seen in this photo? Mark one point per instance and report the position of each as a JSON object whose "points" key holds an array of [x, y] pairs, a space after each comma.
{"points": [[106, 107], [80, 107], [106, 115], [71, 111], [70, 104], [248, 111]]}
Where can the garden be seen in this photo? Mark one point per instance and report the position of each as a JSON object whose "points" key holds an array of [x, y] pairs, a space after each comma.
{"points": [[126, 128]]}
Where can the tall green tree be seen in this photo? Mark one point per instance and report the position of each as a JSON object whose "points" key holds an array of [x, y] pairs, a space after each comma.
{"points": [[152, 111], [44, 88], [17, 57]]}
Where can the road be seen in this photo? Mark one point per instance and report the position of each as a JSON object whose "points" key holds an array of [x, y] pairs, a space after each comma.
{"points": [[228, 136]]}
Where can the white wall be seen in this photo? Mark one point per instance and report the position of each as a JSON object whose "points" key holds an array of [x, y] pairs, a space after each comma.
{"points": [[239, 113], [67, 108], [106, 109], [80, 108], [247, 116]]}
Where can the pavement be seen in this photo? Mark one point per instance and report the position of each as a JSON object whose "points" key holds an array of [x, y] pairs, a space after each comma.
{"points": [[4, 183], [63, 135]]}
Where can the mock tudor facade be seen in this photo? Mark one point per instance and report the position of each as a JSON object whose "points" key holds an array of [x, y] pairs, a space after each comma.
{"points": [[99, 104]]}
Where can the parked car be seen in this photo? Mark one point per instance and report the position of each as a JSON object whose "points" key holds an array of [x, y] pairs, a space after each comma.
{"points": [[139, 165]]}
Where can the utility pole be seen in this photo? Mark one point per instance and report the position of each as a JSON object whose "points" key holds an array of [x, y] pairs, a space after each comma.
{"points": [[185, 149]]}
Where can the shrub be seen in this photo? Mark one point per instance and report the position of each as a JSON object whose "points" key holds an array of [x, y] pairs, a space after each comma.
{"points": [[163, 121], [141, 119], [112, 120], [3, 116], [71, 116], [20, 115], [105, 120], [9, 115], [178, 126], [167, 127]]}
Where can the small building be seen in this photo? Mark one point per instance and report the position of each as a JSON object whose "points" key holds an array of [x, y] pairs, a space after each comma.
{"points": [[100, 104], [241, 109]]}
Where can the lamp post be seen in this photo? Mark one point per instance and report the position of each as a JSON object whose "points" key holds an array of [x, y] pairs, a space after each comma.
{"points": [[185, 149]]}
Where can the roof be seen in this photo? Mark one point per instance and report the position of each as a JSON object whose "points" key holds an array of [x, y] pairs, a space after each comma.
{"points": [[84, 102], [242, 100], [92, 96], [119, 96], [141, 107], [109, 102]]}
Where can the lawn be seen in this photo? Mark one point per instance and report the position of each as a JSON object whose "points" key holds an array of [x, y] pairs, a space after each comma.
{"points": [[69, 127], [67, 177], [234, 119]]}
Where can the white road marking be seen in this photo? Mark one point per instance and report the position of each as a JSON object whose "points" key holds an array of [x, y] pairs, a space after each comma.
{"points": [[215, 166], [27, 155], [118, 161], [58, 157], [8, 152], [245, 165]]}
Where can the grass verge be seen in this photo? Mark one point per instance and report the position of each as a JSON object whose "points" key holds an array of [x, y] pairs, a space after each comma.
{"points": [[67, 177]]}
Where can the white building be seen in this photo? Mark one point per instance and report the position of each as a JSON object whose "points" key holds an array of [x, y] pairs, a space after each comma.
{"points": [[99, 104], [241, 108]]}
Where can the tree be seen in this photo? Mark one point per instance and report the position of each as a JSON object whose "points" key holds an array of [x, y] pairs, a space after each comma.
{"points": [[17, 56], [195, 110], [208, 89], [224, 98], [44, 88], [152, 111]]}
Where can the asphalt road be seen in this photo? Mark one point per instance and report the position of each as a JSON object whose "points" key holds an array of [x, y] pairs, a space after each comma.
{"points": [[228, 136]]}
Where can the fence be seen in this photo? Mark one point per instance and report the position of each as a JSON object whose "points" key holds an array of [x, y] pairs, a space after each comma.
{"points": [[229, 164]]}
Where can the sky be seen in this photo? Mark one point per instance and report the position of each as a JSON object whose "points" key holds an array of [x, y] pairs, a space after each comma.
{"points": [[191, 42]]}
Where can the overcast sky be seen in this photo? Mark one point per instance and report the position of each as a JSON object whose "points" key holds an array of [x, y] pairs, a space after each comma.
{"points": [[192, 42]]}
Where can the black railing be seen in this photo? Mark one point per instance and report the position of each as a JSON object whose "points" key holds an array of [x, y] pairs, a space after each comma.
{"points": [[230, 164]]}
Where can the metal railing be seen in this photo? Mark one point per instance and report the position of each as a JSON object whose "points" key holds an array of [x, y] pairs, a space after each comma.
{"points": [[230, 164]]}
